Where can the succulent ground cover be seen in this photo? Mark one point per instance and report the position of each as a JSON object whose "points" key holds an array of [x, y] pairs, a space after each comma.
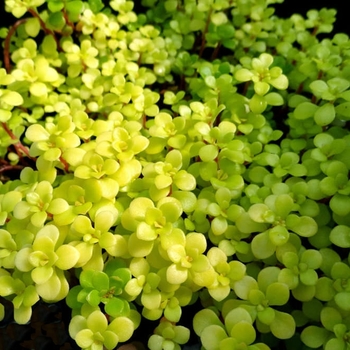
{"points": [[179, 164]]}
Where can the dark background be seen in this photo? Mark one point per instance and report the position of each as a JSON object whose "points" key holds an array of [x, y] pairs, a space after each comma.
{"points": [[285, 9], [342, 23]]}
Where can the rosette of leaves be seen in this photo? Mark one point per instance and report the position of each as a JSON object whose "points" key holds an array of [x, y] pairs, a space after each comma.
{"points": [[168, 335], [236, 330], [104, 289]]}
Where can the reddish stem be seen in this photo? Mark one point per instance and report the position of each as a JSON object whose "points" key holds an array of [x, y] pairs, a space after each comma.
{"points": [[42, 23], [65, 164], [7, 43], [20, 149], [65, 15], [9, 167], [300, 88]]}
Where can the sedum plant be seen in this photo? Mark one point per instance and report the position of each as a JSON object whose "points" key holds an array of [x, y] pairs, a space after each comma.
{"points": [[165, 155]]}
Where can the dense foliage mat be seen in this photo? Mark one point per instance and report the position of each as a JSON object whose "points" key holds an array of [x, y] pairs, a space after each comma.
{"points": [[174, 173]]}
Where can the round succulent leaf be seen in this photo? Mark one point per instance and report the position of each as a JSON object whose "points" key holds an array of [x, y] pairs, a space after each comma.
{"points": [[171, 208], [184, 181], [283, 326], [146, 232], [325, 114], [176, 274], [139, 248], [11, 98], [330, 317], [42, 274], [85, 338], [93, 297], [304, 226], [308, 277], [262, 247], [314, 336], [278, 235], [342, 299], [266, 316], [123, 327], [30, 296], [22, 314], [212, 336], [334, 344], [204, 318], [243, 287], [77, 323], [32, 27], [343, 109], [340, 236], [7, 285], [219, 292], [151, 300], [5, 115], [277, 293], [50, 289], [305, 110], [67, 255], [243, 332], [238, 314], [116, 307]]}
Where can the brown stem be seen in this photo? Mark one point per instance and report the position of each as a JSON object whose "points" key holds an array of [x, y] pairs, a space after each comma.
{"points": [[216, 51], [65, 164], [245, 88], [144, 121], [65, 15], [20, 149], [7, 43], [300, 88], [205, 31], [43, 26], [9, 167], [42, 23]]}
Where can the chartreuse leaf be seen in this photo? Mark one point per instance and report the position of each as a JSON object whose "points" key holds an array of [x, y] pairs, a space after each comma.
{"points": [[204, 318], [277, 293], [12, 98], [235, 316], [7, 285], [212, 336], [283, 325], [243, 332], [314, 336], [340, 236], [68, 256], [304, 226], [117, 307], [123, 327]]}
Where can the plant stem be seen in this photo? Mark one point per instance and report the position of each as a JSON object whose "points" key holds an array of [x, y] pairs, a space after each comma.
{"points": [[7, 43], [216, 51], [42, 23], [65, 164], [10, 167], [20, 149], [205, 31]]}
